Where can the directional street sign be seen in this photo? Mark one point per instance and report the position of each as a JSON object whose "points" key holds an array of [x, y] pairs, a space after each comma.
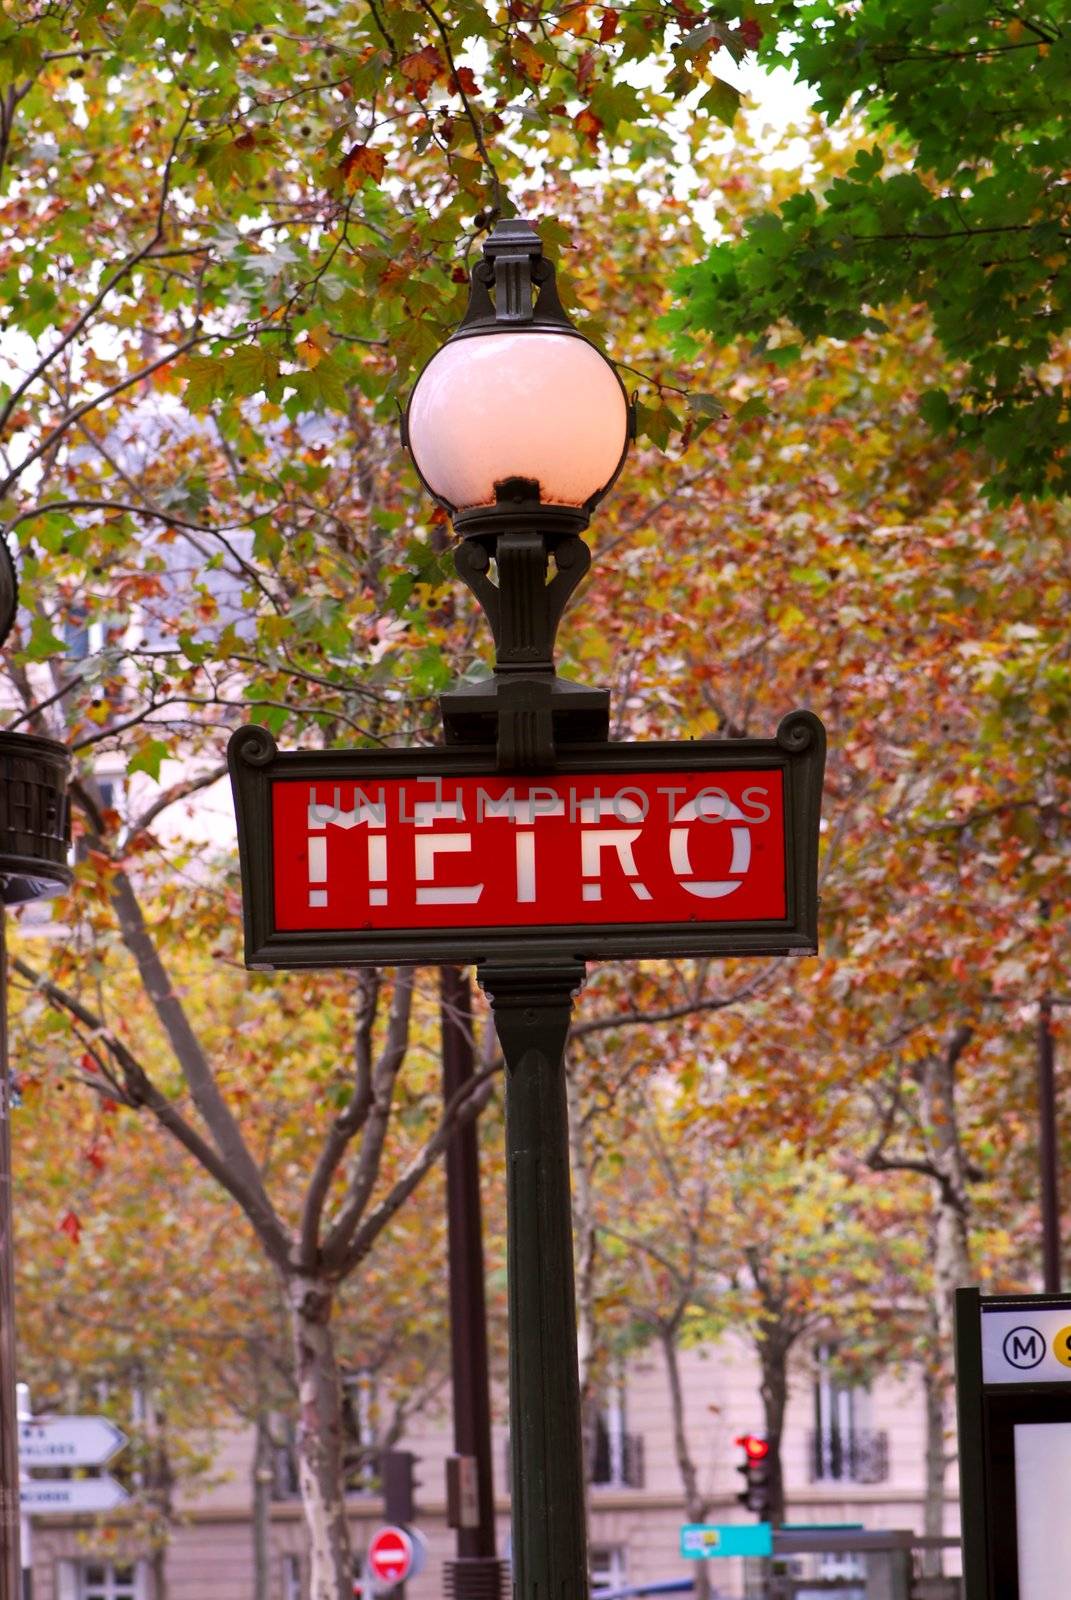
{"points": [[699, 848], [702, 1539], [70, 1495], [69, 1441]]}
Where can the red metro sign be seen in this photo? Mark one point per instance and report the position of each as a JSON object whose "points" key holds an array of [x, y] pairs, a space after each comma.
{"points": [[701, 848]]}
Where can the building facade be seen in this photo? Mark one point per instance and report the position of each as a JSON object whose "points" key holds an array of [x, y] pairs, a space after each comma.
{"points": [[849, 1456]]}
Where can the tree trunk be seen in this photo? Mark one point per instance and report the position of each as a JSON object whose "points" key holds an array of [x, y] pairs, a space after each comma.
{"points": [[773, 1356], [263, 1476], [320, 1440], [159, 1486], [696, 1506], [951, 1258], [935, 1386]]}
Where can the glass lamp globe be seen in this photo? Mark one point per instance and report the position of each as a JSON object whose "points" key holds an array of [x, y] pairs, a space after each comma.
{"points": [[531, 404]]}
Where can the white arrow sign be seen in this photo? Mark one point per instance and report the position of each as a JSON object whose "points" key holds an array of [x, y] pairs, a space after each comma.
{"points": [[42, 1495], [68, 1441]]}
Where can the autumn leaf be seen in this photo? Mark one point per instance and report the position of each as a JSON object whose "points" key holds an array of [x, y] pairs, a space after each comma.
{"points": [[610, 20], [422, 68], [360, 162], [528, 58], [588, 124], [71, 1226], [585, 68], [463, 81]]}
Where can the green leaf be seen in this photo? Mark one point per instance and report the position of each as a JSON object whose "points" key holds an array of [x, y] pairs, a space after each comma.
{"points": [[149, 757], [722, 101], [755, 407], [43, 643], [204, 380], [250, 369]]}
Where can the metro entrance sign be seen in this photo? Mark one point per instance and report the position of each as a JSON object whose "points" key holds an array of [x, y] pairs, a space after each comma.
{"points": [[529, 843], [699, 848]]}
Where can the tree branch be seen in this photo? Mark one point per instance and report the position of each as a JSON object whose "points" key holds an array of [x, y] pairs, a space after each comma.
{"points": [[624, 1019], [347, 1124], [142, 1092], [106, 288], [376, 1119], [208, 1099]]}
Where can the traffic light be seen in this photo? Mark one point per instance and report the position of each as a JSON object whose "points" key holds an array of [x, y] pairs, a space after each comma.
{"points": [[399, 1485], [756, 1469]]}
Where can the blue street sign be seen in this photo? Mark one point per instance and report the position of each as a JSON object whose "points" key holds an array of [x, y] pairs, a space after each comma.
{"points": [[702, 1539]]}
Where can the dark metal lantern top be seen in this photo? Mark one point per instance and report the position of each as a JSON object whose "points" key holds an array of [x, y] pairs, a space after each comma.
{"points": [[35, 830], [526, 291]]}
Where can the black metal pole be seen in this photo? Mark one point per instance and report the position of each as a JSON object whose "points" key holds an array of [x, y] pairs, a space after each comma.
{"points": [[10, 1567], [1047, 1141], [532, 1008], [477, 1573]]}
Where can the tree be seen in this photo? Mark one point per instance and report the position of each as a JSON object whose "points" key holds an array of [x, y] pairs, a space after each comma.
{"points": [[960, 205]]}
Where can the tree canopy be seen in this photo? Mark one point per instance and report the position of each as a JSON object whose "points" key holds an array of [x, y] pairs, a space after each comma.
{"points": [[960, 204]]}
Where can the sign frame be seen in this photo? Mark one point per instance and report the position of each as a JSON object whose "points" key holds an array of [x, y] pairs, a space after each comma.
{"points": [[988, 1412], [797, 751]]}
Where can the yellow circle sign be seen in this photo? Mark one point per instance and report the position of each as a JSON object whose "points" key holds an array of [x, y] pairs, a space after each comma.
{"points": [[1061, 1346]]}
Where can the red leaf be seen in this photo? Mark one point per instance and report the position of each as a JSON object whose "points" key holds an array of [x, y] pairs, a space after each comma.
{"points": [[71, 1226], [422, 68], [751, 33], [610, 19], [463, 81], [87, 1064], [96, 1160], [585, 69], [588, 124], [362, 162]]}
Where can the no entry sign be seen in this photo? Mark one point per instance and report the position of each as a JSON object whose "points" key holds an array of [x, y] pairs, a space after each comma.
{"points": [[390, 1555], [658, 849]]}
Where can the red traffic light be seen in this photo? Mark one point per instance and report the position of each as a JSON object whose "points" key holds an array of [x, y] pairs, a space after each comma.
{"points": [[757, 1449]]}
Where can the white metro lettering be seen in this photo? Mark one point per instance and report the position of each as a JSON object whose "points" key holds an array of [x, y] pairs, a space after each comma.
{"points": [[710, 806]]}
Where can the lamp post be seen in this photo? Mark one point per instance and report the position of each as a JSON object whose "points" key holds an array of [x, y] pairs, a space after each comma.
{"points": [[517, 426], [34, 844]]}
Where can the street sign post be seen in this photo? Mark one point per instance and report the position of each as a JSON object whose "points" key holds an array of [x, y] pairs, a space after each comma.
{"points": [[698, 848], [68, 1441], [70, 1495], [700, 1540], [1013, 1384]]}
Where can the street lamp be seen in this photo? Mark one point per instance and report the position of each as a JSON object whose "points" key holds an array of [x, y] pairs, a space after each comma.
{"points": [[518, 425], [35, 838]]}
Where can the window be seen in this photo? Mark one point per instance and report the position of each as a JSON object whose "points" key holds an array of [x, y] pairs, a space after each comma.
{"points": [[609, 1568], [617, 1456], [844, 1449], [95, 1579], [292, 1578], [361, 1445]]}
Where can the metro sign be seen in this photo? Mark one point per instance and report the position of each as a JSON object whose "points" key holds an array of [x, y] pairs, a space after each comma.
{"points": [[703, 848]]}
